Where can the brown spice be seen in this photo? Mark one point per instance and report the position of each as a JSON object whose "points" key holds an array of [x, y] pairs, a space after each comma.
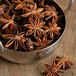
{"points": [[35, 27], [65, 62], [17, 39], [52, 70]]}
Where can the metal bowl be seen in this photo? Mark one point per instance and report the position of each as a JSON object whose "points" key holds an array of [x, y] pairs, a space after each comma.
{"points": [[31, 57]]}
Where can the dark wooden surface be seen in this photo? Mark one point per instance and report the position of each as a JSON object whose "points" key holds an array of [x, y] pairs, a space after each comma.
{"points": [[67, 48]]}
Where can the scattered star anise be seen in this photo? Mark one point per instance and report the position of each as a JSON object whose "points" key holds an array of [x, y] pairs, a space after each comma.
{"points": [[51, 12], [35, 27], [52, 29], [65, 62], [8, 21], [52, 70], [42, 43], [33, 11], [18, 40]]}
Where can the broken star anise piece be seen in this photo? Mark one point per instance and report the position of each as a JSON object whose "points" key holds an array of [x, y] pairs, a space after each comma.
{"points": [[28, 1], [29, 45], [41, 3], [42, 43], [35, 27], [8, 21], [65, 62], [18, 40], [52, 70], [51, 12], [52, 29], [32, 11], [1, 11]]}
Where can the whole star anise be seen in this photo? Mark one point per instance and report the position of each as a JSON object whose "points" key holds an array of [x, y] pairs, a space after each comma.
{"points": [[20, 5], [42, 43], [35, 27], [65, 62], [52, 29], [52, 70], [51, 12], [32, 11], [9, 7], [8, 21], [18, 40]]}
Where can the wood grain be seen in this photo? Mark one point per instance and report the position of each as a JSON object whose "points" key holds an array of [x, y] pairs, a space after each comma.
{"points": [[67, 48]]}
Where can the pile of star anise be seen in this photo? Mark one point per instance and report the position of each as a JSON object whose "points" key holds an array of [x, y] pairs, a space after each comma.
{"points": [[58, 66], [27, 24]]}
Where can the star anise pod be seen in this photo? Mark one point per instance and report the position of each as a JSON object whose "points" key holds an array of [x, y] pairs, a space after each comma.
{"points": [[21, 5], [52, 29], [8, 21], [29, 45], [35, 27], [32, 11], [42, 43], [52, 70], [18, 40], [51, 12], [9, 7], [65, 62]]}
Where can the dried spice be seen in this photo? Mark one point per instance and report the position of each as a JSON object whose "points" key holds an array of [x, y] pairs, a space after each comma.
{"points": [[50, 12], [35, 27], [18, 40], [29, 45], [52, 70], [42, 43], [21, 5], [58, 66], [35, 21], [65, 62], [9, 7], [8, 22], [1, 11], [52, 29], [33, 11]]}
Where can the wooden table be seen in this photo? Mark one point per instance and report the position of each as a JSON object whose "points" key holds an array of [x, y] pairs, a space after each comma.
{"points": [[67, 48]]}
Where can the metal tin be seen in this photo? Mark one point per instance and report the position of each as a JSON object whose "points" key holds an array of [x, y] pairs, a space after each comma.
{"points": [[31, 57]]}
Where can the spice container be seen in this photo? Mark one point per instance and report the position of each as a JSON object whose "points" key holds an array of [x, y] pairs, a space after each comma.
{"points": [[35, 55]]}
